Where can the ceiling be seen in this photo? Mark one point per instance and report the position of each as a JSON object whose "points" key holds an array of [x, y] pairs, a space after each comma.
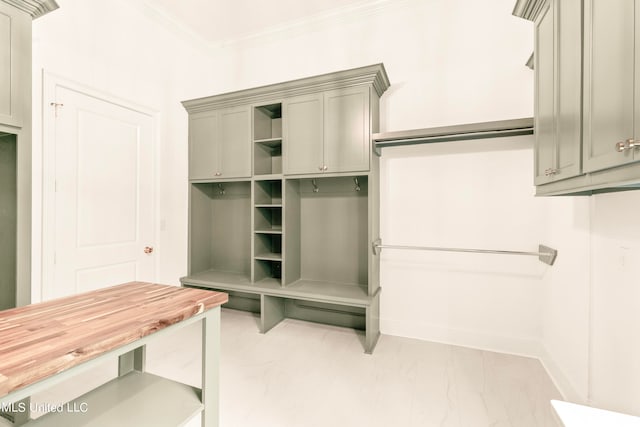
{"points": [[217, 21]]}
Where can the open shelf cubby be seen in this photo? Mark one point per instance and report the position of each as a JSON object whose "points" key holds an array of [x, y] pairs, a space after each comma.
{"points": [[220, 231], [8, 219], [267, 137], [326, 240]]}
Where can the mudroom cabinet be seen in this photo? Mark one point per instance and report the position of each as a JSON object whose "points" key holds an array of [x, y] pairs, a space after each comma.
{"points": [[293, 238], [587, 76]]}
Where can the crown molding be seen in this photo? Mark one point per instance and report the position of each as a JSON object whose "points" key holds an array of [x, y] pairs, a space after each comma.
{"points": [[348, 13], [373, 75], [528, 9], [35, 8]]}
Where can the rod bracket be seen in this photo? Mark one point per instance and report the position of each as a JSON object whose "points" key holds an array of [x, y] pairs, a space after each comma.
{"points": [[375, 246], [547, 255]]}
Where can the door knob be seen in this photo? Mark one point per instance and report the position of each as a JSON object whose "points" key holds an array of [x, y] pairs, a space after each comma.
{"points": [[148, 249]]}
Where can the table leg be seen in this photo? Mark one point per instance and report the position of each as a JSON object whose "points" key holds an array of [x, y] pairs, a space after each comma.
{"points": [[133, 360], [211, 368]]}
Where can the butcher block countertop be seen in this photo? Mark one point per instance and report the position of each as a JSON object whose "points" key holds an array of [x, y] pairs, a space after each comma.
{"points": [[40, 340]]}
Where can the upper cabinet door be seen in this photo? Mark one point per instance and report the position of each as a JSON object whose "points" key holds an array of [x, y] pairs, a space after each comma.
{"points": [[568, 58], [15, 55], [203, 150], [234, 143], [346, 130], [302, 144], [545, 137], [609, 75]]}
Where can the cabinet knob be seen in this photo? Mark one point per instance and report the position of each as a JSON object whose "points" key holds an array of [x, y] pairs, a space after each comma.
{"points": [[148, 249], [324, 168], [550, 172], [320, 168], [629, 144], [218, 174]]}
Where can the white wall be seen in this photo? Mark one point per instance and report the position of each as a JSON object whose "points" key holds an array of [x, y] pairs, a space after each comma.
{"points": [[115, 49], [615, 315], [471, 194]]}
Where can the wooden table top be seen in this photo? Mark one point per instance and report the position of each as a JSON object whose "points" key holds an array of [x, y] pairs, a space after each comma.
{"points": [[39, 340]]}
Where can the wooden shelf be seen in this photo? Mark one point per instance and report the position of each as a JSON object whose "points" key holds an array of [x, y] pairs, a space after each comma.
{"points": [[269, 256], [268, 177], [269, 142], [217, 277], [353, 295], [274, 230], [150, 401]]}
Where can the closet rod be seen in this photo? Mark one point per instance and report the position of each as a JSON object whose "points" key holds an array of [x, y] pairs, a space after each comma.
{"points": [[545, 254], [502, 128]]}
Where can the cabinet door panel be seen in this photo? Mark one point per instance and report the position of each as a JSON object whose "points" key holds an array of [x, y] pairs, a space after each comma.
{"points": [[609, 73], [234, 141], [569, 87], [203, 128], [303, 134], [15, 55], [346, 130], [545, 100]]}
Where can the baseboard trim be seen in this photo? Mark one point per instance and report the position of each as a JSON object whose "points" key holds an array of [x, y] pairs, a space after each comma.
{"points": [[463, 338], [489, 342], [560, 380]]}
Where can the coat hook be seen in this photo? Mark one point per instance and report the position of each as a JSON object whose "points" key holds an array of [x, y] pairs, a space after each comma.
{"points": [[315, 186], [357, 183], [221, 189]]}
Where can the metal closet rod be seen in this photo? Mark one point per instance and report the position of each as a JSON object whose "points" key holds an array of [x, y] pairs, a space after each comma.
{"points": [[545, 254]]}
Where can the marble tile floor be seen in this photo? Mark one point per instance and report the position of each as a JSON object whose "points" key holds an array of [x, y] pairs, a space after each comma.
{"points": [[303, 374]]}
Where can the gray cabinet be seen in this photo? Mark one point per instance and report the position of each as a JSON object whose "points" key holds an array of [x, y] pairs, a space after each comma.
{"points": [[346, 130], [558, 59], [587, 120], [327, 132], [303, 134], [611, 54], [220, 144], [292, 238], [15, 63]]}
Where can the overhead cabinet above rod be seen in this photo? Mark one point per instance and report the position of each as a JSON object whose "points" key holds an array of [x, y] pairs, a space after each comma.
{"points": [[515, 127]]}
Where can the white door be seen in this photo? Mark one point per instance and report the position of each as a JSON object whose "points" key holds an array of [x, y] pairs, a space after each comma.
{"points": [[104, 194]]}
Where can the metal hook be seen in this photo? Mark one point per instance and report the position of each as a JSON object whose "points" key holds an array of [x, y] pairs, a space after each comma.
{"points": [[221, 189], [355, 180], [315, 186]]}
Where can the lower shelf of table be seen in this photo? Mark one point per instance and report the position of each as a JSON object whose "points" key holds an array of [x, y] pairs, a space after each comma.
{"points": [[136, 399]]}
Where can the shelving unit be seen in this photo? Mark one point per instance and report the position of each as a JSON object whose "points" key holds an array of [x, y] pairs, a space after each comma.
{"points": [[267, 132], [309, 228]]}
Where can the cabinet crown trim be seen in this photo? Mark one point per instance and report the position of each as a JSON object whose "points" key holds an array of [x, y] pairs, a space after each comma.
{"points": [[528, 9], [35, 8], [374, 75]]}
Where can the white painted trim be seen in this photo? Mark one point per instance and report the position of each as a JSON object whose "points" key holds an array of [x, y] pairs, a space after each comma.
{"points": [[560, 380], [527, 347], [49, 83], [348, 13]]}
